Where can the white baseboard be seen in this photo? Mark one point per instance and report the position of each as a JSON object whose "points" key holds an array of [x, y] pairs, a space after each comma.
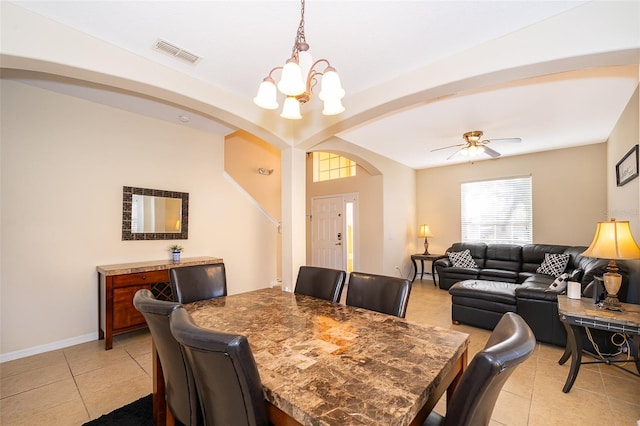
{"points": [[35, 350]]}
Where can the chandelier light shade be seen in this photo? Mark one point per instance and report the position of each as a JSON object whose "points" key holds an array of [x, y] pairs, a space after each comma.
{"points": [[298, 77], [613, 240], [425, 232]]}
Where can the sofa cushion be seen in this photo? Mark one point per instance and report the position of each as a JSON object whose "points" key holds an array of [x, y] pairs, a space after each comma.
{"points": [[462, 259], [536, 287], [553, 264], [504, 256]]}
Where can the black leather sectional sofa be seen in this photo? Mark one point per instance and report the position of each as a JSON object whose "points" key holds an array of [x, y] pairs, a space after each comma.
{"points": [[505, 280]]}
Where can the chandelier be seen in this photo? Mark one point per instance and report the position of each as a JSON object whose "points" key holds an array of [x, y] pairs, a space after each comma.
{"points": [[297, 80]]}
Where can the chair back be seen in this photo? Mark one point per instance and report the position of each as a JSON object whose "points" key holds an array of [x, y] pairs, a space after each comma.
{"points": [[323, 283], [389, 295], [509, 345], [198, 282], [180, 388], [225, 373]]}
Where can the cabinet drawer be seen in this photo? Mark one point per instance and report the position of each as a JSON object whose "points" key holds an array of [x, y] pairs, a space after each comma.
{"points": [[124, 313], [141, 278]]}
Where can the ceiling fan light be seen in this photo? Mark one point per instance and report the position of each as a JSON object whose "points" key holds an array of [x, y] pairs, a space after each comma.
{"points": [[291, 83], [291, 109], [266, 97], [480, 150]]}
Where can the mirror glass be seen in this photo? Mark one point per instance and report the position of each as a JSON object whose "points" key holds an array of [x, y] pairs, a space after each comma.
{"points": [[153, 214]]}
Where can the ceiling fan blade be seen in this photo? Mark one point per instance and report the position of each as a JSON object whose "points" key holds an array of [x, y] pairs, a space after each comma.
{"points": [[456, 153], [447, 147], [505, 140], [490, 152]]}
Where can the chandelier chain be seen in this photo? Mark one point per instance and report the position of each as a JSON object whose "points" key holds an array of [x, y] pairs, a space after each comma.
{"points": [[300, 38]]}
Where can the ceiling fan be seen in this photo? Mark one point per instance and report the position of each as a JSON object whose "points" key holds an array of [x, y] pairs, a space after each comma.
{"points": [[473, 145]]}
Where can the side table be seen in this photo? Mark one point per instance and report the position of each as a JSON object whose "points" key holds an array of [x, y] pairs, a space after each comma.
{"points": [[422, 257], [577, 313]]}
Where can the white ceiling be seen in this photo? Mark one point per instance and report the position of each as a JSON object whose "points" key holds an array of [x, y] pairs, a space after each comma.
{"points": [[369, 43]]}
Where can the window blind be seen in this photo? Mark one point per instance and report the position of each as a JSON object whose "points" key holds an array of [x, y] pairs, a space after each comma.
{"points": [[497, 211]]}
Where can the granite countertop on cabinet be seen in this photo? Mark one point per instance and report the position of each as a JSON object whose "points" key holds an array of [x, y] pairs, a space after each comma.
{"points": [[154, 265]]}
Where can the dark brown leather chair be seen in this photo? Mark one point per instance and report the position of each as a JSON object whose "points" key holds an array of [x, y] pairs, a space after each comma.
{"points": [[323, 283], [198, 282], [472, 403], [225, 373], [389, 295], [180, 388]]}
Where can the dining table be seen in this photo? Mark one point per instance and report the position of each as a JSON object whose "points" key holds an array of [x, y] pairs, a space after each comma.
{"points": [[324, 363]]}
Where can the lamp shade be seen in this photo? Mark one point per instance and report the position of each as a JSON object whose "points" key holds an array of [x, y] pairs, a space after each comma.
{"points": [[291, 83], [291, 109], [266, 97], [613, 240], [332, 107], [424, 231], [331, 87]]}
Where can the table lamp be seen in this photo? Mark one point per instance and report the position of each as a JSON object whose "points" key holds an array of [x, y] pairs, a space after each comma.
{"points": [[613, 240], [425, 232]]}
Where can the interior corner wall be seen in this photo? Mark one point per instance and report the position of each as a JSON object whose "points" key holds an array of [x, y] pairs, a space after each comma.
{"points": [[569, 194], [64, 162], [624, 201]]}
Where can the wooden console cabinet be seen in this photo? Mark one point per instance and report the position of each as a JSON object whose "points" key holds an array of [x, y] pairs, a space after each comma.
{"points": [[117, 284]]}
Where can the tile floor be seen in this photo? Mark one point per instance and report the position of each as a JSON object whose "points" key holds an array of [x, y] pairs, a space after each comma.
{"points": [[74, 385]]}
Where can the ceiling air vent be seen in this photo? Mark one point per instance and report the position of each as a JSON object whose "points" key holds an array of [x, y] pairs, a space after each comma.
{"points": [[176, 51]]}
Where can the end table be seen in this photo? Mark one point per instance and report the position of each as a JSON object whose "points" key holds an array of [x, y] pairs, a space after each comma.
{"points": [[577, 313], [422, 257]]}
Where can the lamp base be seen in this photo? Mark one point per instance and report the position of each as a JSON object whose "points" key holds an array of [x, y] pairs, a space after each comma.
{"points": [[612, 282], [426, 248], [612, 303]]}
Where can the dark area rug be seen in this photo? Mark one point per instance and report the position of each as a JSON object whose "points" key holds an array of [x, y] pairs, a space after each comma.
{"points": [[138, 413]]}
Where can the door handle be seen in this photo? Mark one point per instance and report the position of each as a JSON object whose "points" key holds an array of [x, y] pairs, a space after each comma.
{"points": [[338, 244]]}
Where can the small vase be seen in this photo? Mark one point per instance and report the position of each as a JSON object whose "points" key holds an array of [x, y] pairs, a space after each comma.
{"points": [[175, 256]]}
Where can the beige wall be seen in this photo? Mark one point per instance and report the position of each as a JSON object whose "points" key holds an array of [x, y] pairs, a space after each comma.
{"points": [[624, 201], [244, 154], [64, 162], [569, 194]]}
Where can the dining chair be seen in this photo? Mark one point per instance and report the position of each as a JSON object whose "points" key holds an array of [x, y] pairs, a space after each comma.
{"points": [[198, 282], [473, 400], [381, 293], [225, 373], [180, 389], [323, 283]]}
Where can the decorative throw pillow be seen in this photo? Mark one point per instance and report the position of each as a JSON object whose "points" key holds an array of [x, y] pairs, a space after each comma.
{"points": [[462, 259], [553, 264], [559, 285]]}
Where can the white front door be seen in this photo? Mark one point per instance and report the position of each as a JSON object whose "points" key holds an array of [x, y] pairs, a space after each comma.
{"points": [[332, 241]]}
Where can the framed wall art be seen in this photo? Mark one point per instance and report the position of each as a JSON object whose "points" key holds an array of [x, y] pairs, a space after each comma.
{"points": [[627, 168]]}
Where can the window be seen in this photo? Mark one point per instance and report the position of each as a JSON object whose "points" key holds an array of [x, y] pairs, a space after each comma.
{"points": [[497, 211], [327, 166]]}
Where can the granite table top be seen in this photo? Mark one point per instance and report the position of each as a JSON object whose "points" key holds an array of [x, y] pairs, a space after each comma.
{"points": [[154, 265], [331, 364], [584, 312]]}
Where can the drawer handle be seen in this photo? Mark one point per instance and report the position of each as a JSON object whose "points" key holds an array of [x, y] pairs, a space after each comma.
{"points": [[144, 277]]}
